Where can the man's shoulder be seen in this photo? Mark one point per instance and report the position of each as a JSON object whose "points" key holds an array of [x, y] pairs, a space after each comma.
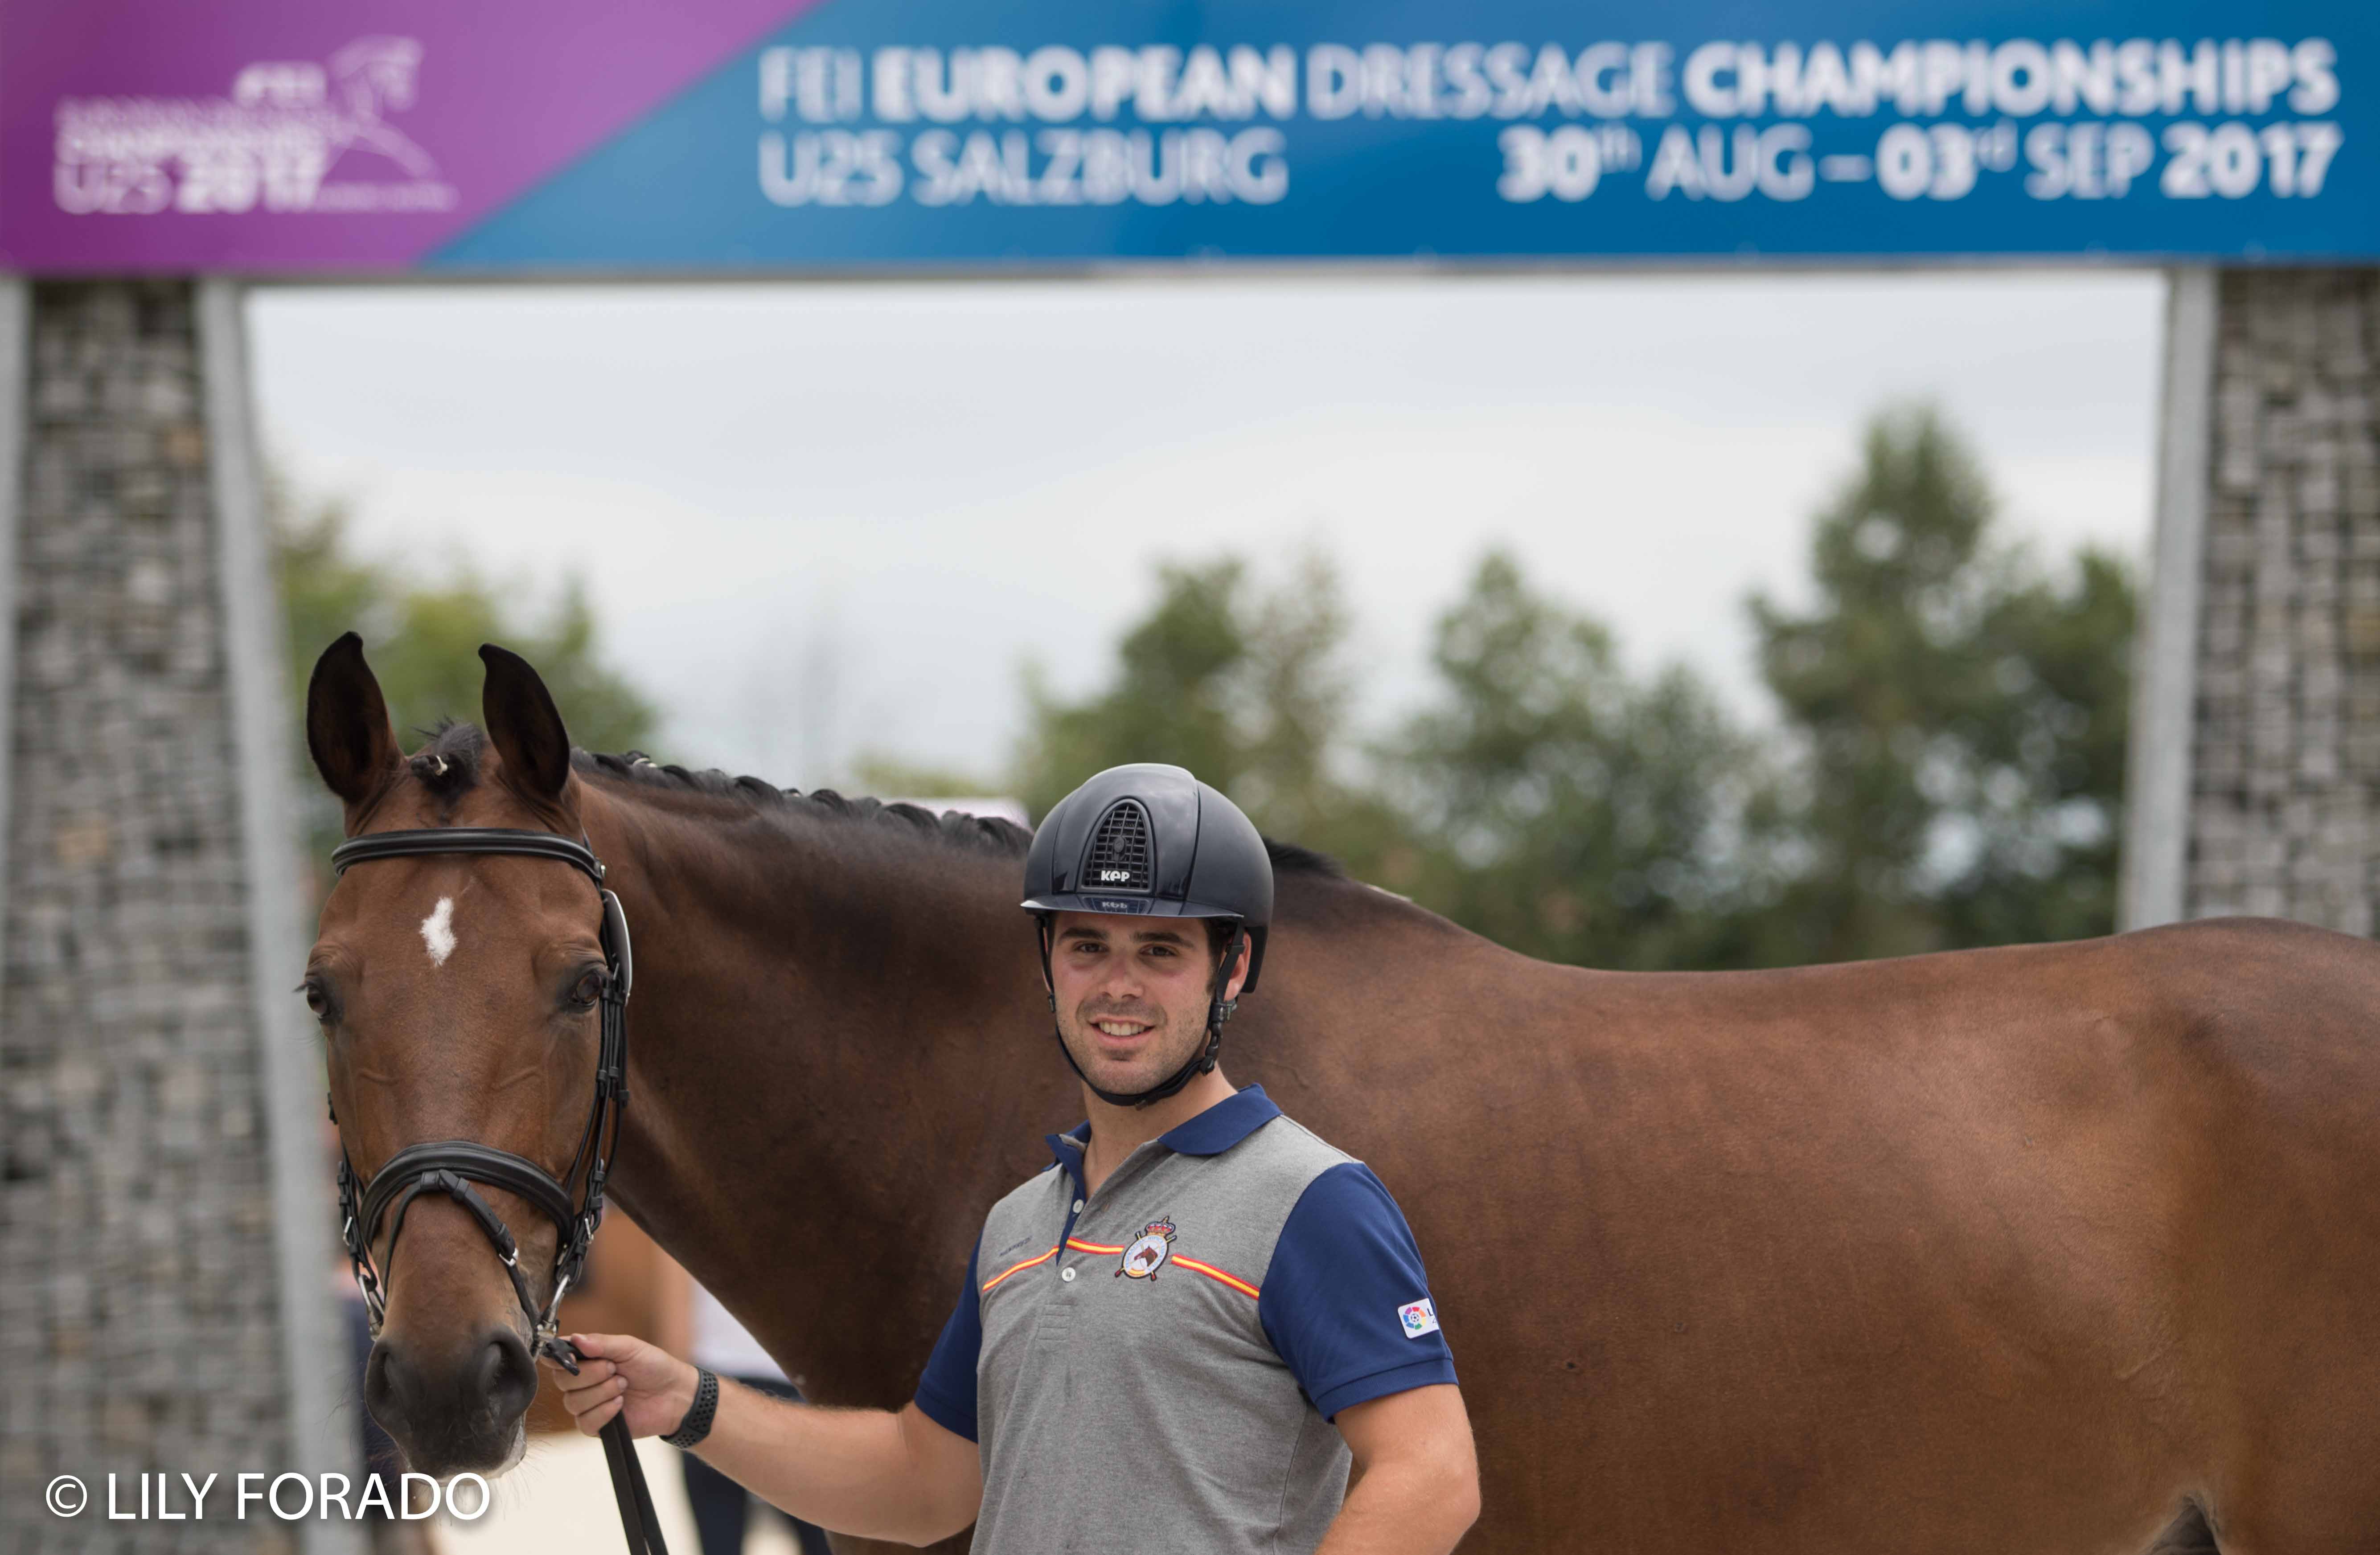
{"points": [[1283, 1144], [1027, 1204], [1270, 1170], [1049, 1182]]}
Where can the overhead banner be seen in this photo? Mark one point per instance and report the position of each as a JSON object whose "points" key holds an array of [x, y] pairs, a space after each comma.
{"points": [[743, 136]]}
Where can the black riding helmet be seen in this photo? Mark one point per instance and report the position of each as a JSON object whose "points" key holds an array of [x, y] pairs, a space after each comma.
{"points": [[1153, 840]]}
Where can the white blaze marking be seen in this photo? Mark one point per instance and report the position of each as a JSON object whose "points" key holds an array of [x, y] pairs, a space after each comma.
{"points": [[438, 931]]}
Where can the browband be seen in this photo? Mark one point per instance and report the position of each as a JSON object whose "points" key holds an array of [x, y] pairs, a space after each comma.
{"points": [[466, 839]]}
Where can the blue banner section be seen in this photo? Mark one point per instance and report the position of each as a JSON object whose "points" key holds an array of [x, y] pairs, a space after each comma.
{"points": [[947, 134]]}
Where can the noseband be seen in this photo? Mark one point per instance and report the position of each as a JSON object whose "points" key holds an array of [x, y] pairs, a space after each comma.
{"points": [[451, 1166]]}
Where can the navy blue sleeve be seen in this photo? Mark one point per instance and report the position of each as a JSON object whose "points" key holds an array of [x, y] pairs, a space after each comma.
{"points": [[1345, 1300], [946, 1392]]}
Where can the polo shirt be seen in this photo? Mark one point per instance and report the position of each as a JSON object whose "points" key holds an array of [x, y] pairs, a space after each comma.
{"points": [[1154, 1366]]}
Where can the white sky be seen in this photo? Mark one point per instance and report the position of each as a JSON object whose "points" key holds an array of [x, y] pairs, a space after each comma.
{"points": [[821, 519]]}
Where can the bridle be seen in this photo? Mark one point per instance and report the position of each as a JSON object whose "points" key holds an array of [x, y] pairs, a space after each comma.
{"points": [[451, 1166]]}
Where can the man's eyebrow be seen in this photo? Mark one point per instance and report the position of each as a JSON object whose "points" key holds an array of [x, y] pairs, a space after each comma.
{"points": [[1168, 936]]}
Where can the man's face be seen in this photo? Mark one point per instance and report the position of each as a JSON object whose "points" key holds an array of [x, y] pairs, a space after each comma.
{"points": [[1132, 995]]}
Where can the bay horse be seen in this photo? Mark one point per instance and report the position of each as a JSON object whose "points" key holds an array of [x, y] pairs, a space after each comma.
{"points": [[2068, 1248]]}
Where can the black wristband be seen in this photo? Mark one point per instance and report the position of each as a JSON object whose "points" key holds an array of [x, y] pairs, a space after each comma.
{"points": [[697, 1424]]}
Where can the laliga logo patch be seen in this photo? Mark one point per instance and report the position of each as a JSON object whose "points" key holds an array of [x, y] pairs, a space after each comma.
{"points": [[1417, 1318], [1148, 1251]]}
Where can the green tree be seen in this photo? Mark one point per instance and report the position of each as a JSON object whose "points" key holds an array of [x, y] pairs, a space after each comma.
{"points": [[423, 635], [1565, 808], [1960, 714], [1246, 685]]}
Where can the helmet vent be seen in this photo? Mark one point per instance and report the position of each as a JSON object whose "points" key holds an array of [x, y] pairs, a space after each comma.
{"points": [[1119, 857]]}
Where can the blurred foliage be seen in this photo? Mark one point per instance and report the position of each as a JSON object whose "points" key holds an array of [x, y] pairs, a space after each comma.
{"points": [[1944, 768], [422, 635], [1565, 808], [1959, 715], [893, 777], [1246, 685]]}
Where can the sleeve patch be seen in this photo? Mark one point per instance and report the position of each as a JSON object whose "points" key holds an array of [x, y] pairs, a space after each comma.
{"points": [[1417, 1318]]}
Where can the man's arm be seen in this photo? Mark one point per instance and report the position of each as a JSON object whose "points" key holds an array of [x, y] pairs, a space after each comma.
{"points": [[1414, 1486], [870, 1472]]}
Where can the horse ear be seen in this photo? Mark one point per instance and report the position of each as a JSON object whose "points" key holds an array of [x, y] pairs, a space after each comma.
{"points": [[519, 715], [347, 730]]}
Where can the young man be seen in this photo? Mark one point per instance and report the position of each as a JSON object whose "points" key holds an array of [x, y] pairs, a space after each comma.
{"points": [[1160, 1332]]}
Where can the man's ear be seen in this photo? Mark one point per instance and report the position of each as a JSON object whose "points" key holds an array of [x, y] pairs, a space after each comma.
{"points": [[521, 720], [347, 729]]}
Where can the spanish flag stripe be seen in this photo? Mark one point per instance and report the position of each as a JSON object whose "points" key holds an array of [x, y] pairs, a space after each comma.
{"points": [[1082, 1246], [1214, 1273], [1015, 1268]]}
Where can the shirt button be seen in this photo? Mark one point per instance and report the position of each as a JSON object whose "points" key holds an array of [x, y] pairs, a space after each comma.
{"points": [[1068, 1274], [1078, 1206]]}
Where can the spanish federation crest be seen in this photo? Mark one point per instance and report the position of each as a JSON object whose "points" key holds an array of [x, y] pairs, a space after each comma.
{"points": [[1148, 1251]]}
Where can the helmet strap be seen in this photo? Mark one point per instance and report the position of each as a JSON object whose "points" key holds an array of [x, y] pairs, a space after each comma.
{"points": [[1219, 1010]]}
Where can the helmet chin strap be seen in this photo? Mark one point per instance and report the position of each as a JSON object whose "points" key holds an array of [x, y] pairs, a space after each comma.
{"points": [[1219, 1010]]}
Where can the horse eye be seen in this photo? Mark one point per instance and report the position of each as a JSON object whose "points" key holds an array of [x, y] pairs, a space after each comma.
{"points": [[588, 988], [318, 999]]}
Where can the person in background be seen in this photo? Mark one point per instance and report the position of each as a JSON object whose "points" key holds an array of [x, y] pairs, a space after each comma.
{"points": [[722, 1506]]}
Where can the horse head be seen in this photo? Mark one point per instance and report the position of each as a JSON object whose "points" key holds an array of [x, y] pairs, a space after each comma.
{"points": [[460, 998]]}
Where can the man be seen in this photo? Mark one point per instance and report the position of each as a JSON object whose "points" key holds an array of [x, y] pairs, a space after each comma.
{"points": [[1155, 1329]]}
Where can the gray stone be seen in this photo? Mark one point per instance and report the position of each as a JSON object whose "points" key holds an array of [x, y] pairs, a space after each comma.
{"points": [[2285, 752], [134, 1333]]}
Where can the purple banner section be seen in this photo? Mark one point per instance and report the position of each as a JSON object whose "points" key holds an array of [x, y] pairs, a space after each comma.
{"points": [[293, 135]]}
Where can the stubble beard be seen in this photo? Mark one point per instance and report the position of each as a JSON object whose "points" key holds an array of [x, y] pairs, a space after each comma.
{"points": [[1169, 1050]]}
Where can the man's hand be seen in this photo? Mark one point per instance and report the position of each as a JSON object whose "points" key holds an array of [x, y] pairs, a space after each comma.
{"points": [[877, 1473], [1415, 1485], [615, 1372]]}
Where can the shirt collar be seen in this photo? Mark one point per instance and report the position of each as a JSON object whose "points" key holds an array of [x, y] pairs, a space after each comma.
{"points": [[1210, 1133]]}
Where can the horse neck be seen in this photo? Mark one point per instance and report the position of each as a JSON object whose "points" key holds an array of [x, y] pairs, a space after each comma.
{"points": [[834, 1025]]}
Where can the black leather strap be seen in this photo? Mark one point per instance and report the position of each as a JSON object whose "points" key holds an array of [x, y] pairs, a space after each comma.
{"points": [[497, 1168], [466, 839]]}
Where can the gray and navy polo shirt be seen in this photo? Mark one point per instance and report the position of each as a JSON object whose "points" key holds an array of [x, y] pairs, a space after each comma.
{"points": [[1154, 1366]]}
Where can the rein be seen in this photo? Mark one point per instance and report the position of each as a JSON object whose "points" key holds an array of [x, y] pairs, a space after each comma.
{"points": [[451, 1166]]}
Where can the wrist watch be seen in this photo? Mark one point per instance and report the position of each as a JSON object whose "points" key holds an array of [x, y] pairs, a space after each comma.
{"points": [[697, 1424]]}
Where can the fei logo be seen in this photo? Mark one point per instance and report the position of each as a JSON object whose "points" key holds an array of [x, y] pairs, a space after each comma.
{"points": [[1417, 1318], [293, 136]]}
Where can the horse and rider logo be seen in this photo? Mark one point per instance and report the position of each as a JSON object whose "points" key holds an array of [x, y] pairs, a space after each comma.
{"points": [[1148, 1251], [292, 136]]}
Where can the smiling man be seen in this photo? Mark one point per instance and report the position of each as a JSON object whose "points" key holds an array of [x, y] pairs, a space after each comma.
{"points": [[1199, 1319]]}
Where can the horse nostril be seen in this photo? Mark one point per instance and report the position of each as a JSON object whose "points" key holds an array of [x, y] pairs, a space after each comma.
{"points": [[507, 1374], [387, 1380]]}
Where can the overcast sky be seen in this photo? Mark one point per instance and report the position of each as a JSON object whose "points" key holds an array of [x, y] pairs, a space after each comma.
{"points": [[819, 520]]}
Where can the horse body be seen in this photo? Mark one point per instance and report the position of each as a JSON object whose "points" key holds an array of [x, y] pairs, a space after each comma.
{"points": [[2050, 1248], [2031, 1248]]}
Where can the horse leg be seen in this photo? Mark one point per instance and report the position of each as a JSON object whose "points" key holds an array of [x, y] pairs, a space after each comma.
{"points": [[2186, 1534]]}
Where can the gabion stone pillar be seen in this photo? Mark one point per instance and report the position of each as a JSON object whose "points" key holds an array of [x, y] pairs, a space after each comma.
{"points": [[166, 1303], [2254, 782], [2285, 783]]}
